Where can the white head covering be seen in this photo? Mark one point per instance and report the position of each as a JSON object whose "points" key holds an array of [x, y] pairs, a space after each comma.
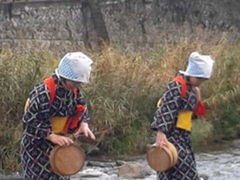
{"points": [[75, 66], [199, 66]]}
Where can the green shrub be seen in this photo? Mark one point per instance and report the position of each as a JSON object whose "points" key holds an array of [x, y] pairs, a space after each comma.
{"points": [[202, 133], [227, 126]]}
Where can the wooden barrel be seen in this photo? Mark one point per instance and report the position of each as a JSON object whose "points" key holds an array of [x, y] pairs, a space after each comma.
{"points": [[173, 150], [66, 160], [161, 159]]}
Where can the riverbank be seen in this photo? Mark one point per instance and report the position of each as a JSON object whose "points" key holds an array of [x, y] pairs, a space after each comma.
{"points": [[218, 164], [215, 165]]}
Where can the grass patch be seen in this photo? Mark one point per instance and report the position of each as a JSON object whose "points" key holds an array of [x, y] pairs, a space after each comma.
{"points": [[123, 92], [202, 133]]}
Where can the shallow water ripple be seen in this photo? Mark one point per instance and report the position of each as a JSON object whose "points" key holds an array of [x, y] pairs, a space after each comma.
{"points": [[217, 165]]}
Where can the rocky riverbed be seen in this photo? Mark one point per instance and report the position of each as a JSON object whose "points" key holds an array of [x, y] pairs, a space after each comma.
{"points": [[214, 165]]}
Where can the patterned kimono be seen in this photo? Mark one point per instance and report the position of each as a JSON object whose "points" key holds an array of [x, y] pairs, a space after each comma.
{"points": [[165, 119], [34, 147]]}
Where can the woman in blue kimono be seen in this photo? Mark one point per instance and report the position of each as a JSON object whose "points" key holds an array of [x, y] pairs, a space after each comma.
{"points": [[172, 119], [58, 96]]}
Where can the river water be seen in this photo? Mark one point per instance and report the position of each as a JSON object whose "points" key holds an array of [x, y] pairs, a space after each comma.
{"points": [[214, 165]]}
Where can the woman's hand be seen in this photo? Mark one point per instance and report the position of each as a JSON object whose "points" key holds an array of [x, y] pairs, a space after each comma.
{"points": [[197, 92], [84, 129], [59, 140], [161, 140]]}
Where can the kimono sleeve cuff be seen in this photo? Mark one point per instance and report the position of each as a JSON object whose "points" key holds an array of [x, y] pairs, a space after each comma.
{"points": [[200, 109], [162, 128]]}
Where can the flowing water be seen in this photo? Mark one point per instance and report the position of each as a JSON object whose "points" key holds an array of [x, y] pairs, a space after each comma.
{"points": [[214, 165]]}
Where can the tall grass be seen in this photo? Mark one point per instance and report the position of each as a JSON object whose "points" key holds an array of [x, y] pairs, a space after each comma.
{"points": [[18, 73], [123, 92], [224, 93], [122, 95], [126, 87]]}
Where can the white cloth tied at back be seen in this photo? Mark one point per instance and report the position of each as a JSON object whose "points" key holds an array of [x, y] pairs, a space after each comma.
{"points": [[75, 66], [199, 66]]}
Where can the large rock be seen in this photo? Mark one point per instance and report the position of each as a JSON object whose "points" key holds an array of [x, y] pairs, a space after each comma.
{"points": [[132, 170]]}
